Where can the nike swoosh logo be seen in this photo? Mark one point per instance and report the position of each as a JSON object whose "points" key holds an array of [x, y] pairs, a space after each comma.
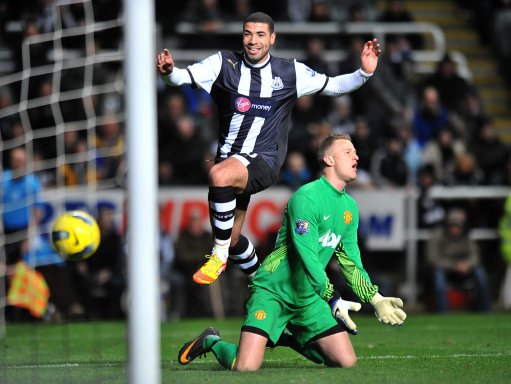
{"points": [[183, 358], [326, 217]]}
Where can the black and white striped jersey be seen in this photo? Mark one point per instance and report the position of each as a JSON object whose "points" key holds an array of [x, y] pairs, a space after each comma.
{"points": [[255, 102]]}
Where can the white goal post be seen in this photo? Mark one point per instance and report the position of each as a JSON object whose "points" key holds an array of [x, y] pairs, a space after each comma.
{"points": [[144, 325]]}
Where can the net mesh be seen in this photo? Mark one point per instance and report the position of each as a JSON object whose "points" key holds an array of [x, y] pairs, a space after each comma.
{"points": [[62, 105]]}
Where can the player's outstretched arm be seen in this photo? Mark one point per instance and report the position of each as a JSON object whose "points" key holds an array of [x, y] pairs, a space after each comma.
{"points": [[369, 56], [388, 309], [165, 62]]}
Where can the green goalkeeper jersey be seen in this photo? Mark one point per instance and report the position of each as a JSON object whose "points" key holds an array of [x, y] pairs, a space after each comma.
{"points": [[319, 222]]}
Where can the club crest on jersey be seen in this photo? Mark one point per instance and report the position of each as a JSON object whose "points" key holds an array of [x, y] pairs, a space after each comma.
{"points": [[242, 104], [277, 83], [302, 227], [260, 315], [347, 217]]}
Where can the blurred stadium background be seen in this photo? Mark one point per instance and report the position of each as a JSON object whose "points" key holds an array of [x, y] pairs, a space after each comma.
{"points": [[432, 127]]}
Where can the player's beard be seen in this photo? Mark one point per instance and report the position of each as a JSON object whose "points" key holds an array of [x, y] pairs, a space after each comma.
{"points": [[255, 59]]}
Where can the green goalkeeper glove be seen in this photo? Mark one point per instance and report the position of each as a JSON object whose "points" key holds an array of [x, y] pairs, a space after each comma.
{"points": [[388, 309], [340, 310]]}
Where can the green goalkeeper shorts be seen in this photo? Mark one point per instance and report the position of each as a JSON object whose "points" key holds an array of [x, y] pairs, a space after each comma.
{"points": [[268, 313]]}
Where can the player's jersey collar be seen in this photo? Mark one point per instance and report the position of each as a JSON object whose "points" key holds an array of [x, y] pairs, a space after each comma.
{"points": [[331, 187], [260, 65]]}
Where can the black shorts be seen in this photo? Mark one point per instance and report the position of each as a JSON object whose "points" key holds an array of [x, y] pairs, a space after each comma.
{"points": [[260, 174]]}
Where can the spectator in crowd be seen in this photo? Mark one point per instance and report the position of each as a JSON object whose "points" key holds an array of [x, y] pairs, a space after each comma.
{"points": [[464, 172], [363, 140], [315, 59], [84, 169], [315, 56], [341, 116], [396, 79], [412, 152], [185, 152], [165, 172], [295, 173], [208, 17], [21, 203], [304, 114], [188, 298], [350, 62], [299, 11], [442, 152], [46, 174], [470, 117], [391, 95], [454, 258], [505, 250], [431, 212], [359, 12], [490, 153], [110, 146], [65, 303], [395, 11], [173, 107], [430, 116], [388, 166], [452, 88], [319, 12], [21, 212], [100, 278]]}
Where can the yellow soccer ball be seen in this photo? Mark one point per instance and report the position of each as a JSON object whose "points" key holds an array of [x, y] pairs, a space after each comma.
{"points": [[75, 235]]}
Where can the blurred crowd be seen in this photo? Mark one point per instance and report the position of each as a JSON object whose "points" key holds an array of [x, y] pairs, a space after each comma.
{"points": [[410, 130], [400, 122]]}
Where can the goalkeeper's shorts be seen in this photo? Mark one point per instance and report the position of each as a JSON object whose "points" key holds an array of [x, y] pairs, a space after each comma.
{"points": [[267, 313]]}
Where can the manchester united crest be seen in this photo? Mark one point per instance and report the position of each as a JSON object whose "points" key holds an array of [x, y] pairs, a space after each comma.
{"points": [[347, 217], [260, 315]]}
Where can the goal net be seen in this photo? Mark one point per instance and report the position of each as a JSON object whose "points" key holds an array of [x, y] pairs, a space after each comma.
{"points": [[62, 141]]}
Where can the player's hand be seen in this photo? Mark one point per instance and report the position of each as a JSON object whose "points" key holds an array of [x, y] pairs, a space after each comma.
{"points": [[165, 62], [340, 310], [369, 56], [388, 309]]}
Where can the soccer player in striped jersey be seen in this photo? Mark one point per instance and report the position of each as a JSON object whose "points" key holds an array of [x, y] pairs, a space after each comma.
{"points": [[254, 92]]}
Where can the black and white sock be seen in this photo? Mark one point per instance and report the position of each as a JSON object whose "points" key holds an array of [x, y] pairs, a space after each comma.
{"points": [[243, 254], [222, 204]]}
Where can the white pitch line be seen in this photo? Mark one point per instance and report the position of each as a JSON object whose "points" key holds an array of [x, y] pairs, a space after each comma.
{"points": [[62, 365], [202, 361]]}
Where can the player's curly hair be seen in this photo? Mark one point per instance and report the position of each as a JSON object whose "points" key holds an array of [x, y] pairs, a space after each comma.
{"points": [[260, 17]]}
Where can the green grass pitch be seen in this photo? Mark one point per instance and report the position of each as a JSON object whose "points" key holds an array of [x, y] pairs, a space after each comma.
{"points": [[455, 348]]}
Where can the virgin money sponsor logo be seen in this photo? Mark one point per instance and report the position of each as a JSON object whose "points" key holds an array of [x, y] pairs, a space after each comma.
{"points": [[242, 104]]}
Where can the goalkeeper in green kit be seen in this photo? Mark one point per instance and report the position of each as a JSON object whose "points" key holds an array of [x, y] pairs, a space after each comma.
{"points": [[291, 302]]}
